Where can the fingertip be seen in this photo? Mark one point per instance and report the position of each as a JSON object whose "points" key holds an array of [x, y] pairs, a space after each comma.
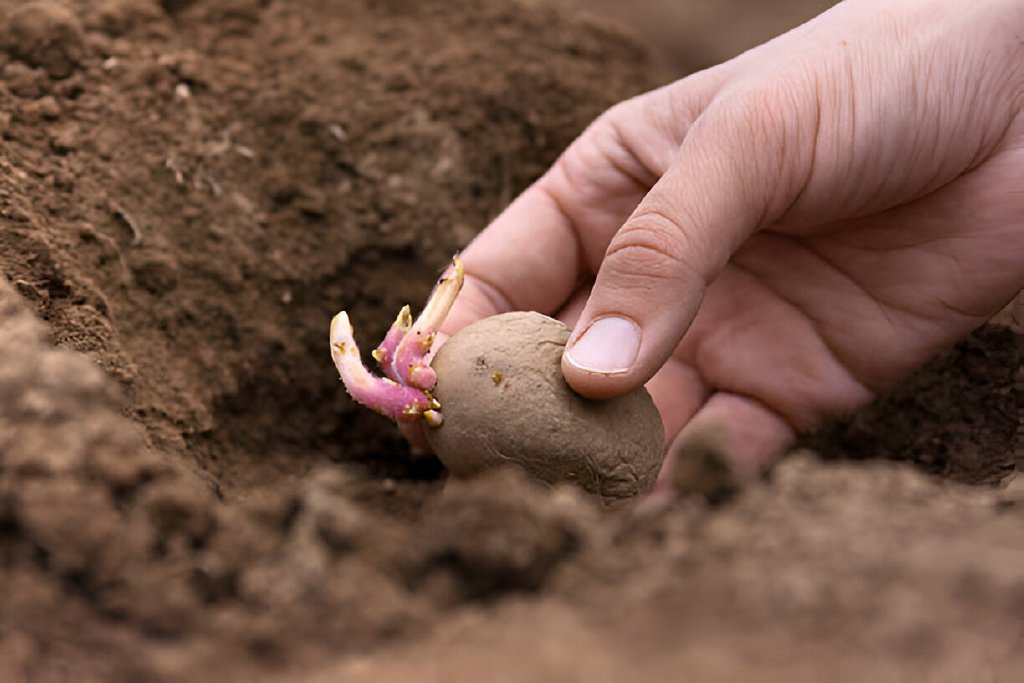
{"points": [[612, 354], [607, 346], [730, 441], [601, 361], [702, 464]]}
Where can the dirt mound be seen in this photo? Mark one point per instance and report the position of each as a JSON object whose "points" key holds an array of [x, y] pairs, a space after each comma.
{"points": [[190, 190], [837, 572]]}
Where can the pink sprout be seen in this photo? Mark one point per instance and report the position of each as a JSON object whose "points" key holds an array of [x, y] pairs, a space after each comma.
{"points": [[404, 393]]}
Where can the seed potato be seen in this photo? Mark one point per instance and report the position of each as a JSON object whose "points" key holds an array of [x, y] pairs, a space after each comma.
{"points": [[505, 401]]}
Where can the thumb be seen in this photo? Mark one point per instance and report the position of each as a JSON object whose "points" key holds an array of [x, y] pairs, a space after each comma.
{"points": [[728, 177]]}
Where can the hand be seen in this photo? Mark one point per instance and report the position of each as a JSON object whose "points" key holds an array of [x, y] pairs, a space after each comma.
{"points": [[779, 238]]}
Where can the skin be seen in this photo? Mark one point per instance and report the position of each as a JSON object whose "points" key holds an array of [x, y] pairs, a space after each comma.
{"points": [[792, 231]]}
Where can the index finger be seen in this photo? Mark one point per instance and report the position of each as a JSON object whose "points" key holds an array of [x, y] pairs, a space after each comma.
{"points": [[535, 253], [527, 259]]}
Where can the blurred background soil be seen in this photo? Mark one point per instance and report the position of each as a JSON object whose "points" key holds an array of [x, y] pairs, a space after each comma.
{"points": [[683, 36], [189, 191]]}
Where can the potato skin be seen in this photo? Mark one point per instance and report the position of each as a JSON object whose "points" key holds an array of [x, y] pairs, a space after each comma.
{"points": [[505, 401]]}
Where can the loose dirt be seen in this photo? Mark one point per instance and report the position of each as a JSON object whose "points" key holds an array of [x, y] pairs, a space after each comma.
{"points": [[190, 190]]}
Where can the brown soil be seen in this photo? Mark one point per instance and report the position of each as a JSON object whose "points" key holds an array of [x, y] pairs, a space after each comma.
{"points": [[189, 191]]}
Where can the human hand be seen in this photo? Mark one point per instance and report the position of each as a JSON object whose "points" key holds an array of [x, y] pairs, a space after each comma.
{"points": [[779, 238]]}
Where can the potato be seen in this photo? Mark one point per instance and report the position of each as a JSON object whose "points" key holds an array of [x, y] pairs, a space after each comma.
{"points": [[505, 401]]}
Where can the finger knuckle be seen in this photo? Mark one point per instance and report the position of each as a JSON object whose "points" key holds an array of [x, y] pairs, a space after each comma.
{"points": [[610, 142], [758, 115], [588, 152], [652, 245]]}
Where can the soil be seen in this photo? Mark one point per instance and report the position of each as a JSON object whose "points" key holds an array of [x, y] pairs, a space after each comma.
{"points": [[682, 36], [190, 190]]}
